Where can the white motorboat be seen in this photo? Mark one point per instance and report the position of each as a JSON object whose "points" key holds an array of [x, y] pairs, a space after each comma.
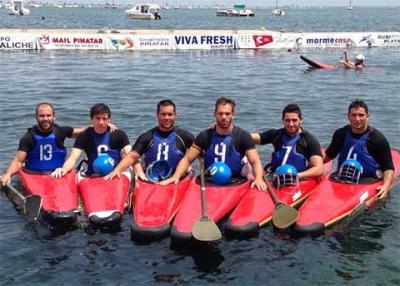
{"points": [[144, 11], [17, 8], [237, 11], [278, 11]]}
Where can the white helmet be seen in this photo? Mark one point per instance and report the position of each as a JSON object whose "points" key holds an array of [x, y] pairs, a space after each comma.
{"points": [[360, 57]]}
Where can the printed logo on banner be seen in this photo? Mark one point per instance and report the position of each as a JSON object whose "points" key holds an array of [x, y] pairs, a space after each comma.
{"points": [[368, 39], [154, 42], [262, 40], [390, 39], [215, 41], [15, 43], [299, 42], [329, 41], [44, 39], [125, 43]]}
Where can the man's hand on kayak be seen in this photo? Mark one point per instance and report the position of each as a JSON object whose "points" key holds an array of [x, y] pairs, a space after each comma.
{"points": [[5, 179], [58, 173], [260, 184], [141, 176], [113, 174], [170, 181], [382, 192]]}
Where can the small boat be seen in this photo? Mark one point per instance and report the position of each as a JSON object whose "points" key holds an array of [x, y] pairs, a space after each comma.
{"points": [[237, 11], [350, 7], [144, 11], [104, 201], [154, 207], [333, 201], [17, 8], [257, 207], [278, 11], [220, 201], [59, 196]]}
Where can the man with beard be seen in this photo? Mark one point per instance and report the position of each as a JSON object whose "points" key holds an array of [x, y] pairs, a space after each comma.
{"points": [[293, 145], [41, 149], [225, 143], [164, 142], [96, 140], [363, 143]]}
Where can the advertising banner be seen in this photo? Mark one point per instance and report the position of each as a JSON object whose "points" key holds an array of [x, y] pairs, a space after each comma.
{"points": [[207, 41], [11, 41], [66, 41]]}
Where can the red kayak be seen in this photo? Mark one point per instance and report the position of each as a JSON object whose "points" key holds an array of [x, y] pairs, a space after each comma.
{"points": [[154, 207], [333, 201], [59, 196], [317, 64], [220, 201], [104, 201], [257, 207]]}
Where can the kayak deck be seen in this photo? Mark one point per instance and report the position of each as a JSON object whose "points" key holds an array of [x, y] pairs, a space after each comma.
{"points": [[154, 207], [220, 201], [104, 201], [59, 196], [333, 201]]}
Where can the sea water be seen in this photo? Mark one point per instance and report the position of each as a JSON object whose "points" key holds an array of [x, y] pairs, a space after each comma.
{"points": [[363, 252]]}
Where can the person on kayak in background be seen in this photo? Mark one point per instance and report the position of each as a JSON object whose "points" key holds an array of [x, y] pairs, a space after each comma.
{"points": [[96, 140], [163, 142], [224, 143], [293, 145], [42, 148], [365, 144], [357, 65]]}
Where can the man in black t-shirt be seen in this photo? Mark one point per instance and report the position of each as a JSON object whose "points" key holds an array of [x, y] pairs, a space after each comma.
{"points": [[97, 140], [365, 144], [164, 142], [41, 149], [293, 145], [225, 143]]}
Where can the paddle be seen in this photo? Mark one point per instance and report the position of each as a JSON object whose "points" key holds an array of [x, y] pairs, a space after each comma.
{"points": [[31, 204], [284, 215], [205, 228]]}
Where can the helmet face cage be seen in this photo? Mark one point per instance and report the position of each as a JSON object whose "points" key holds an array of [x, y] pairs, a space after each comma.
{"points": [[286, 176], [286, 180], [349, 173]]}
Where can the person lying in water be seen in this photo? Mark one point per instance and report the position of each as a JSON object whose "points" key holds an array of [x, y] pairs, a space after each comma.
{"points": [[357, 65]]}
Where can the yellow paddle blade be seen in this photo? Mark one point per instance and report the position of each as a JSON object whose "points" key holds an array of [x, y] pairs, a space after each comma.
{"points": [[284, 216], [206, 230]]}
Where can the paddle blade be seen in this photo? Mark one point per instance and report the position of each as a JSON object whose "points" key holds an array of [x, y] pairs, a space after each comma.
{"points": [[206, 230], [32, 205], [284, 216]]}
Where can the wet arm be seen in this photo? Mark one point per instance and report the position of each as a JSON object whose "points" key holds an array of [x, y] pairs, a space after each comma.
{"points": [[316, 170], [16, 164], [388, 176], [255, 162], [72, 159]]}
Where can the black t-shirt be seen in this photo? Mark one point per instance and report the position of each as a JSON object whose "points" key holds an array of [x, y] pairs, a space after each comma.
{"points": [[85, 140], [184, 140], [26, 143], [241, 140], [377, 145], [308, 145]]}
